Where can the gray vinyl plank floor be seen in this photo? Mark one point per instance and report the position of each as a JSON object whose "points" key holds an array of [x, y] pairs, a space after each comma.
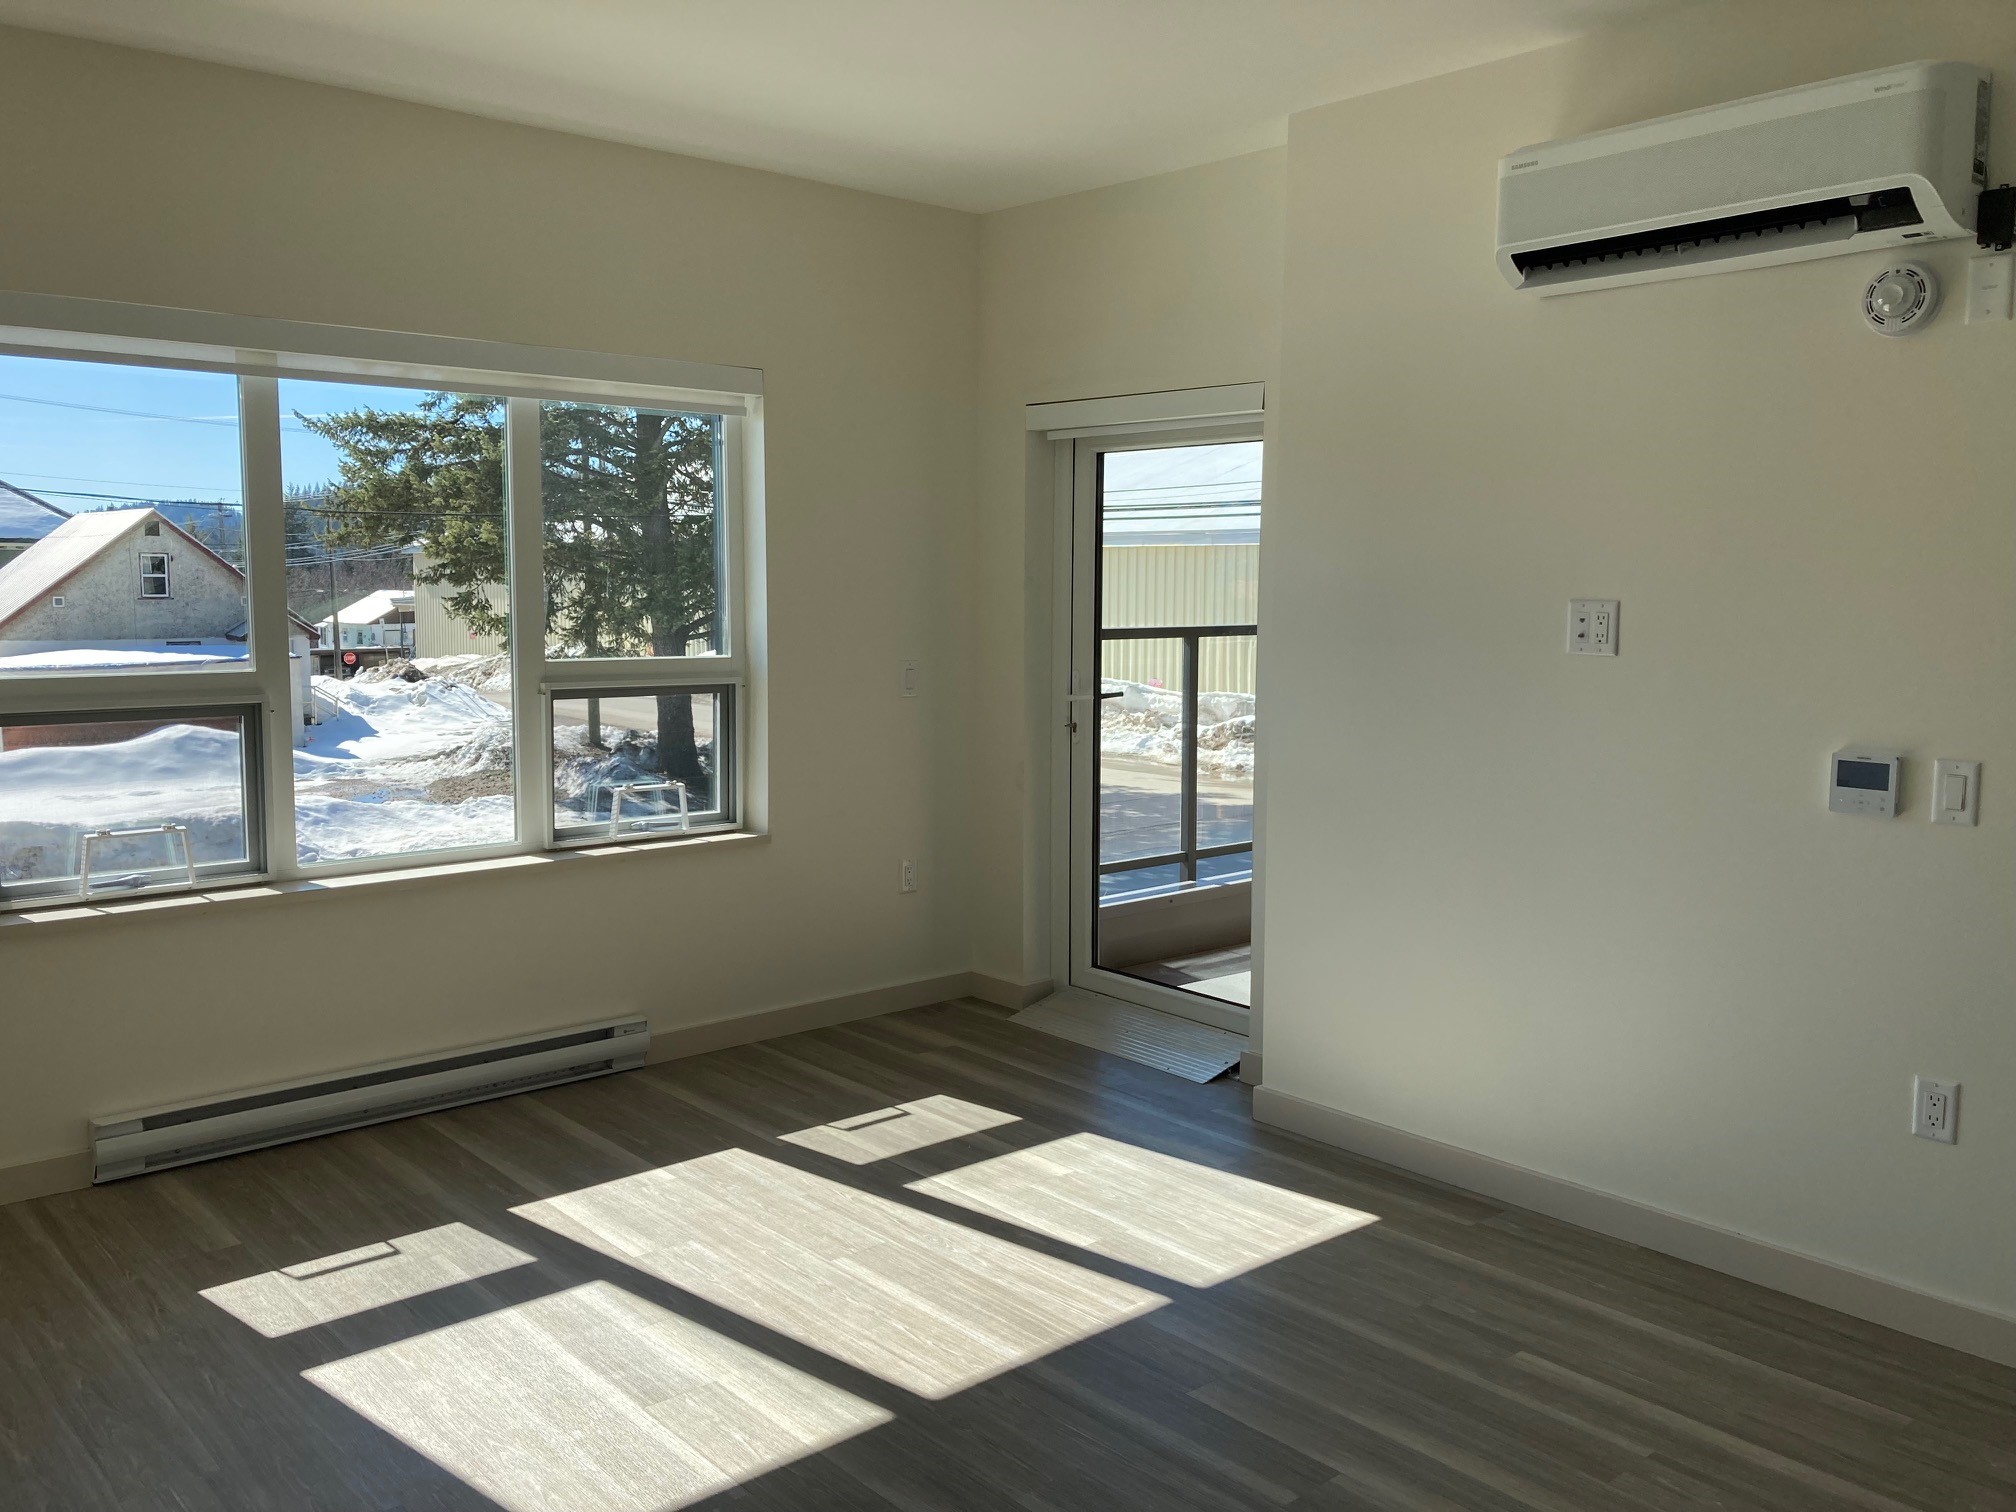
{"points": [[928, 1261]]}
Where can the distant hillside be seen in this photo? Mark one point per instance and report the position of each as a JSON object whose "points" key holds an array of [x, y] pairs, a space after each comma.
{"points": [[221, 527]]}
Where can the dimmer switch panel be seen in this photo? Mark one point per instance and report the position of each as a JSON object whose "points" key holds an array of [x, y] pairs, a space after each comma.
{"points": [[1863, 781]]}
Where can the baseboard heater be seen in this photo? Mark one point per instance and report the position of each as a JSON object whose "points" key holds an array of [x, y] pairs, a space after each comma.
{"points": [[132, 1143]]}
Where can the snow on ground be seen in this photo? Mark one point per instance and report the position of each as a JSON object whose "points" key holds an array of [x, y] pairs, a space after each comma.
{"points": [[584, 777], [50, 796], [392, 768], [487, 673], [396, 767], [1147, 724], [155, 654]]}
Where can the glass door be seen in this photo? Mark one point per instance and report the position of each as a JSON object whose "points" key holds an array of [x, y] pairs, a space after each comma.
{"points": [[1165, 637]]}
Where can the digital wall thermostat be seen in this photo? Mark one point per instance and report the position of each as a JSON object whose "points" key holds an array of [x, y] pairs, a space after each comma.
{"points": [[1862, 781]]}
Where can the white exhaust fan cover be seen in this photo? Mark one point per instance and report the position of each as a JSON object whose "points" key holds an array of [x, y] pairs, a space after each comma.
{"points": [[128, 1144], [1884, 159]]}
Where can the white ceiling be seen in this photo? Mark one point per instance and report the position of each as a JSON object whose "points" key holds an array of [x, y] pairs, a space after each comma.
{"points": [[975, 104]]}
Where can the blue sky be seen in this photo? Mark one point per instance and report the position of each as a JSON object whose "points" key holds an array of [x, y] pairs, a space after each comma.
{"points": [[178, 437]]}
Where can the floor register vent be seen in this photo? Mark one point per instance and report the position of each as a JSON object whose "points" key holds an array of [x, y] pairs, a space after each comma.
{"points": [[132, 1143]]}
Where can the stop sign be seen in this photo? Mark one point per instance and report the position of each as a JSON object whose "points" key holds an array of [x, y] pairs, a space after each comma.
{"points": [[349, 658]]}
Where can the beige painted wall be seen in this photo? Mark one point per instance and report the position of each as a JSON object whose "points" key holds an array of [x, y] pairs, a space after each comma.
{"points": [[1592, 917], [1168, 282], [169, 182]]}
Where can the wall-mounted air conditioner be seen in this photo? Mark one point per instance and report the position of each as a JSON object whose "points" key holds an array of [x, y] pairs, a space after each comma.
{"points": [[1880, 159]]}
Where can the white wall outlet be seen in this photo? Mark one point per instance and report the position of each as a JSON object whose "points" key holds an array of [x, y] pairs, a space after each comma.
{"points": [[1935, 1109], [906, 879], [1592, 627], [1991, 288], [912, 679]]}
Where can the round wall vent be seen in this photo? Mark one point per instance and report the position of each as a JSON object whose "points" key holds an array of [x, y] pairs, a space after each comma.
{"points": [[1901, 300]]}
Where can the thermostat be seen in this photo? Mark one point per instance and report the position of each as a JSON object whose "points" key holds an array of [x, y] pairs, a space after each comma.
{"points": [[1862, 781]]}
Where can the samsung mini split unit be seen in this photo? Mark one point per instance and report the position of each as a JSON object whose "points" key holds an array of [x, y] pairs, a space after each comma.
{"points": [[1884, 159]]}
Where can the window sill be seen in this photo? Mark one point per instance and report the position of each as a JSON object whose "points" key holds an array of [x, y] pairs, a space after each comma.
{"points": [[51, 914]]}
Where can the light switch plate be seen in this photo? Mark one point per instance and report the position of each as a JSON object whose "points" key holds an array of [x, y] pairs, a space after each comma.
{"points": [[1592, 627], [1991, 288], [1956, 791]]}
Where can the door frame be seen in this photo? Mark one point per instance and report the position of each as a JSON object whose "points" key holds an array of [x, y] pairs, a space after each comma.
{"points": [[1074, 888]]}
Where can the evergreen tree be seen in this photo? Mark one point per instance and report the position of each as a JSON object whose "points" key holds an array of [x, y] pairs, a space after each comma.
{"points": [[628, 498]]}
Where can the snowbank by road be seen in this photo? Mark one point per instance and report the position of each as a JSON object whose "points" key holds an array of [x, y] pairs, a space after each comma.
{"points": [[1147, 724]]}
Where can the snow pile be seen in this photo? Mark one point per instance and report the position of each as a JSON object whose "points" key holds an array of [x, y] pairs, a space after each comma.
{"points": [[1146, 724], [585, 776], [487, 674], [51, 796], [397, 767]]}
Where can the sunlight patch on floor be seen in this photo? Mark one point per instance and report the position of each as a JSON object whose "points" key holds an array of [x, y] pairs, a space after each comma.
{"points": [[593, 1400], [285, 1301], [869, 1137], [922, 1302], [1174, 1217]]}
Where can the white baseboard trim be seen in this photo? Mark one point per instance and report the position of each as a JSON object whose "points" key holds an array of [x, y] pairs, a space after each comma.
{"points": [[1976, 1331], [822, 1013], [1249, 1068], [1006, 994], [72, 1173], [45, 1178]]}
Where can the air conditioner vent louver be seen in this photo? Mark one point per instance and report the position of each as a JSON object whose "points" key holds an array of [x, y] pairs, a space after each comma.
{"points": [[1877, 160], [156, 1139]]}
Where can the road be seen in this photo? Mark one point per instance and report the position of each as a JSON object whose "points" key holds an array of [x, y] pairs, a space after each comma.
{"points": [[1140, 809], [627, 713]]}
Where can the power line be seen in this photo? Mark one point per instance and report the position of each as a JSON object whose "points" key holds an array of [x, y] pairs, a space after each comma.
{"points": [[102, 409], [72, 493], [125, 482]]}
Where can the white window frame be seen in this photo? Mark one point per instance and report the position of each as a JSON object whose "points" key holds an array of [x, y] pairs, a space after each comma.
{"points": [[163, 574], [723, 818], [260, 353]]}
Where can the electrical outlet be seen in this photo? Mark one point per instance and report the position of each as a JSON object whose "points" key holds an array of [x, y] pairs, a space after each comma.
{"points": [[906, 880], [1935, 1109], [911, 680], [1592, 627]]}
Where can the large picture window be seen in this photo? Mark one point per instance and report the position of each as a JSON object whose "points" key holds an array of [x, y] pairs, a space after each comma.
{"points": [[418, 600]]}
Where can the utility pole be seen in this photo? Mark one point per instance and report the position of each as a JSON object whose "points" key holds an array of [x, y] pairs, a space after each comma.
{"points": [[335, 611]]}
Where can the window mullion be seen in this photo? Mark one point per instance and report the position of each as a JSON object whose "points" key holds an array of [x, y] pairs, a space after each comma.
{"points": [[283, 686], [531, 731]]}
